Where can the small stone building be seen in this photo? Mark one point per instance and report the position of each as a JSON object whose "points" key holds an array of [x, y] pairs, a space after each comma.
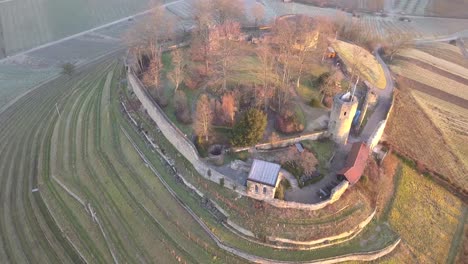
{"points": [[263, 179]]}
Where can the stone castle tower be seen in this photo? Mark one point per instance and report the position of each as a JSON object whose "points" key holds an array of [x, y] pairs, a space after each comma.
{"points": [[341, 117]]}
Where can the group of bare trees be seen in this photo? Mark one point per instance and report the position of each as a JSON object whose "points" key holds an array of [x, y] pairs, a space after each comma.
{"points": [[297, 45], [280, 60], [145, 41]]}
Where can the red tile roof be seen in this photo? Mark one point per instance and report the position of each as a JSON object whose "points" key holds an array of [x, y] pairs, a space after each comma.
{"points": [[355, 162]]}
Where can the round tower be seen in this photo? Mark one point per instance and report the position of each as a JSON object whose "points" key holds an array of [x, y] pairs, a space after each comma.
{"points": [[341, 117]]}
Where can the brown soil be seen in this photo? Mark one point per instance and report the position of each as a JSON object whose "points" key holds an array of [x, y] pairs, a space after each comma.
{"points": [[445, 54], [411, 132], [434, 69], [408, 83], [444, 8]]}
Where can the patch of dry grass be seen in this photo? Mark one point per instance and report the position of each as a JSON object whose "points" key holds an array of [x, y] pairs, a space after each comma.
{"points": [[411, 132], [366, 63], [445, 51], [426, 216], [432, 79], [451, 119], [435, 61]]}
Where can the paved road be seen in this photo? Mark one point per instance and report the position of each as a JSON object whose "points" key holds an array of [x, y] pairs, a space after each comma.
{"points": [[384, 101]]}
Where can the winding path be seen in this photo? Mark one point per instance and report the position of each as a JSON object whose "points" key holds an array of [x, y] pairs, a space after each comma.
{"points": [[385, 97]]}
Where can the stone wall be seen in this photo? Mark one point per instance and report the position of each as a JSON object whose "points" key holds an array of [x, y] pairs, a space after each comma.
{"points": [[335, 195], [340, 238], [338, 191], [285, 142], [176, 137], [377, 134]]}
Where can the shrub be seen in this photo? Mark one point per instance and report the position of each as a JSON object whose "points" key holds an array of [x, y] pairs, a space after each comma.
{"points": [[293, 168], [182, 110], [242, 155], [314, 102], [68, 68], [322, 78], [364, 179], [282, 187], [221, 182], [290, 121], [201, 147], [249, 129], [194, 78]]}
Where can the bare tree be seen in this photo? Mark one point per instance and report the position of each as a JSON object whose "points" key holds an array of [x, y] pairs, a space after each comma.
{"points": [[306, 160], [223, 49], [258, 13], [397, 42], [266, 56], [228, 10], [152, 76], [228, 107], [146, 35], [284, 38], [203, 118], [182, 109], [306, 43], [177, 73], [331, 84], [203, 13]]}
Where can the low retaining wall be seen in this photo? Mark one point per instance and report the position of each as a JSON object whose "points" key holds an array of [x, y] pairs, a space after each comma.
{"points": [[285, 142], [377, 134], [348, 234], [335, 195]]}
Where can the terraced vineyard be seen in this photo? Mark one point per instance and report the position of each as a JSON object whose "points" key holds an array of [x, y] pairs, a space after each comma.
{"points": [[99, 195]]}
